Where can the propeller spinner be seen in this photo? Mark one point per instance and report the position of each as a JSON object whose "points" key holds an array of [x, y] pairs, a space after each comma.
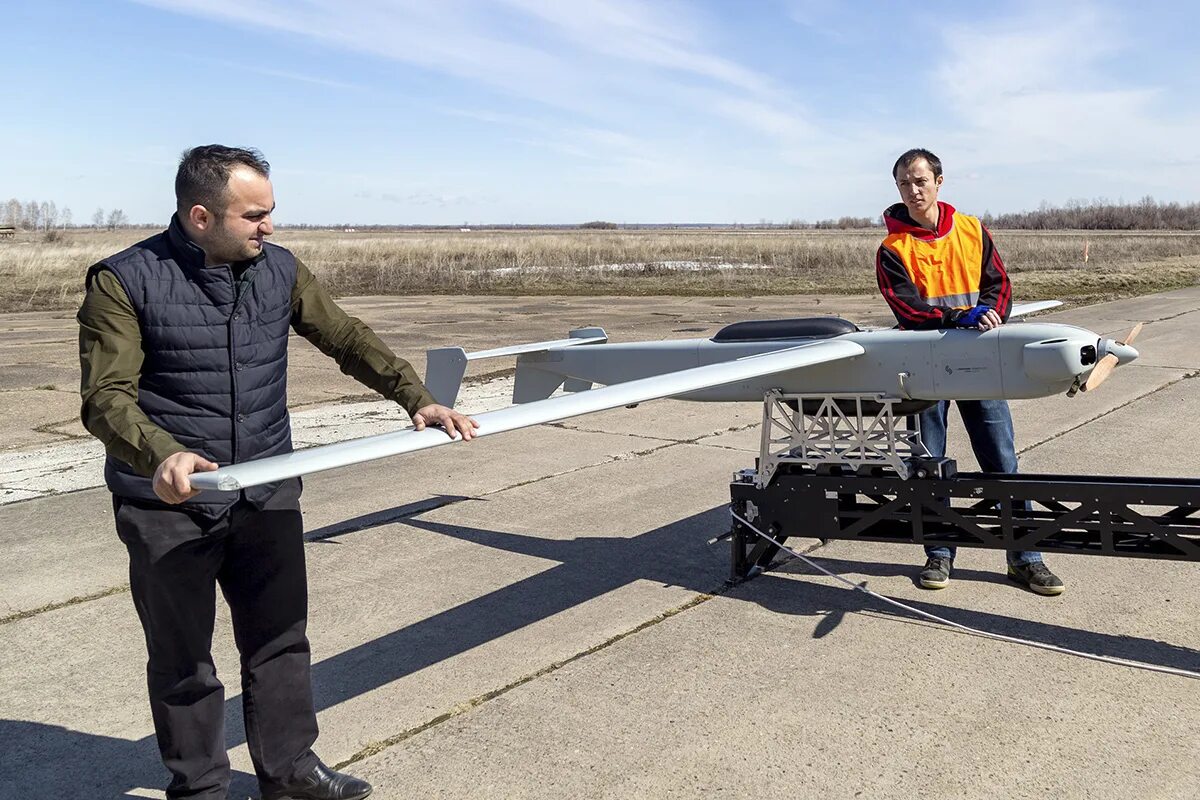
{"points": [[1114, 353]]}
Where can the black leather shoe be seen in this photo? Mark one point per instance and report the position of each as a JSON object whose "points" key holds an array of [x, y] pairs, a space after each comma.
{"points": [[323, 784]]}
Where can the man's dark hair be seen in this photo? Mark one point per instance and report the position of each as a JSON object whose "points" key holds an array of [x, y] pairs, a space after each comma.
{"points": [[204, 172], [917, 153]]}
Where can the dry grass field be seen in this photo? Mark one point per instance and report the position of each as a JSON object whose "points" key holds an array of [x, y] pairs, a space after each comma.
{"points": [[36, 274]]}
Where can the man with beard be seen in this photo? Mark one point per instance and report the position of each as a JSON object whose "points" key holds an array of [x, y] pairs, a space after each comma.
{"points": [[183, 348]]}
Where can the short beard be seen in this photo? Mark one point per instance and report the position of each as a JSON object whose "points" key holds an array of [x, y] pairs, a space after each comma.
{"points": [[230, 250]]}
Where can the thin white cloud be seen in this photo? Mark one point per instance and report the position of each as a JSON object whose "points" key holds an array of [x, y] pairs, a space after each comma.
{"points": [[302, 78], [594, 58], [642, 34], [417, 198], [603, 137], [638, 94], [1038, 89], [605, 87], [299, 77], [830, 20], [444, 37], [631, 156]]}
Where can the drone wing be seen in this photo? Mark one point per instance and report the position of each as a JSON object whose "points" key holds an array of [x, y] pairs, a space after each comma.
{"points": [[315, 459], [1021, 309]]}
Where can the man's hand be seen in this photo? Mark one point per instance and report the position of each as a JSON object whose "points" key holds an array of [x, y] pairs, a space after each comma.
{"points": [[448, 419], [982, 317], [990, 320], [171, 482]]}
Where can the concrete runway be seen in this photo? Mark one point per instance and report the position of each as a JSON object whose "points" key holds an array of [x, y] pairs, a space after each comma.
{"points": [[541, 615]]}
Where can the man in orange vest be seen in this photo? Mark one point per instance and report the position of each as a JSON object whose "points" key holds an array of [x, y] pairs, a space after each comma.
{"points": [[938, 268]]}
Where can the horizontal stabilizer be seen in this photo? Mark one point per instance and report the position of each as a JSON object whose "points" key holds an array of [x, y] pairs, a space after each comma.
{"points": [[315, 459], [537, 347], [446, 366]]}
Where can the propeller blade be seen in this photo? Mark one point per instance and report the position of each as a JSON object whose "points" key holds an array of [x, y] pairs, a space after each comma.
{"points": [[1100, 372], [1133, 333]]}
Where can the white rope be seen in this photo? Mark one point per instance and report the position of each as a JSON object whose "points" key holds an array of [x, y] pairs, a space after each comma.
{"points": [[987, 634]]}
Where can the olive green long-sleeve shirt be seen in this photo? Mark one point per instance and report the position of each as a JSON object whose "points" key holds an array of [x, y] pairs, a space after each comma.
{"points": [[110, 359]]}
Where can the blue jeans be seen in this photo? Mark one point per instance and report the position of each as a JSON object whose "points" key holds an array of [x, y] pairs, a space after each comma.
{"points": [[989, 425]]}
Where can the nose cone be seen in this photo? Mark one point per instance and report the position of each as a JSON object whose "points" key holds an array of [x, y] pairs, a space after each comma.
{"points": [[1124, 353]]}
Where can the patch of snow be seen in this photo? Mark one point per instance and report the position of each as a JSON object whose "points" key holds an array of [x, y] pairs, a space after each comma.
{"points": [[70, 467], [647, 266]]}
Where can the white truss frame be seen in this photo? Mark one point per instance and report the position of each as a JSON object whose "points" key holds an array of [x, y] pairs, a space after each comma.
{"points": [[833, 436]]}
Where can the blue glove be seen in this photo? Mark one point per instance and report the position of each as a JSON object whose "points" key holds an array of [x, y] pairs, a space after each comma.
{"points": [[970, 319]]}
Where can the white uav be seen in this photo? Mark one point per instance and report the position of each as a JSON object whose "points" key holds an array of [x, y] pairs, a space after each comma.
{"points": [[743, 362]]}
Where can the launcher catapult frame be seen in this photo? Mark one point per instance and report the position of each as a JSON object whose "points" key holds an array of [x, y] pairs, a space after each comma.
{"points": [[852, 467]]}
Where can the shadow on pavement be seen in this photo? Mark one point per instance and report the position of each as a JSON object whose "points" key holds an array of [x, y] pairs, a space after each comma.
{"points": [[677, 554], [654, 556], [797, 595], [49, 760], [40, 760], [589, 566]]}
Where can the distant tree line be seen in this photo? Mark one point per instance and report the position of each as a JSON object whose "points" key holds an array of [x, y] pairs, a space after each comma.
{"points": [[47, 216], [114, 219], [34, 216], [1101, 215], [848, 223], [1147, 214], [839, 224]]}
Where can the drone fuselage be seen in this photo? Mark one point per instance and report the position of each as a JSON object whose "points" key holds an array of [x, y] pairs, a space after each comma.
{"points": [[1010, 362]]}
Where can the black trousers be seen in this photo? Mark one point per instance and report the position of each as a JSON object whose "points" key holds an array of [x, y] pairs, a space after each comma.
{"points": [[176, 560]]}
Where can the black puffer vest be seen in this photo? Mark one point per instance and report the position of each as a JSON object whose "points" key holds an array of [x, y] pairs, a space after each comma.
{"points": [[215, 369]]}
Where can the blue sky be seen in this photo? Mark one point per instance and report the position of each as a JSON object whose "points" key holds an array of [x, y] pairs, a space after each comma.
{"points": [[558, 111]]}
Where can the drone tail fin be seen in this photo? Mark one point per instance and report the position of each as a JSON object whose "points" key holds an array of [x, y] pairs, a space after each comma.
{"points": [[446, 366]]}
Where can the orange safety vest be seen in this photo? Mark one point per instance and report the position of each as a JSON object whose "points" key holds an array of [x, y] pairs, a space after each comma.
{"points": [[945, 268]]}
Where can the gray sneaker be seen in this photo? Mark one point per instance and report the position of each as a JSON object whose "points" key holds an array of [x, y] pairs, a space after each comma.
{"points": [[1037, 577], [936, 574]]}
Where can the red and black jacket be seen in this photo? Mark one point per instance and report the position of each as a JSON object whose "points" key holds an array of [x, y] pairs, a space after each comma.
{"points": [[929, 276]]}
